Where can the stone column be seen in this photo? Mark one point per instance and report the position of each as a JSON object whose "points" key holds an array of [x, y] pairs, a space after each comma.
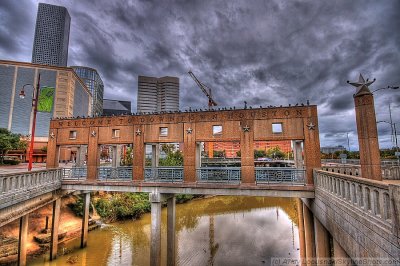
{"points": [[321, 241], [54, 228], [198, 155], [93, 154], [302, 241], [23, 240], [247, 152], [118, 148], [155, 242], [114, 156], [81, 156], [85, 219], [340, 256], [138, 153], [155, 155], [171, 231], [189, 153], [312, 152], [309, 233], [53, 150], [370, 160], [298, 154]]}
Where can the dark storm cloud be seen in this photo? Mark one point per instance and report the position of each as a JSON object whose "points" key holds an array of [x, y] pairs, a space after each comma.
{"points": [[263, 52]]}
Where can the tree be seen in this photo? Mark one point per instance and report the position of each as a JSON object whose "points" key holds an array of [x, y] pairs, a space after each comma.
{"points": [[259, 154], [275, 152], [168, 148], [172, 159], [9, 141]]}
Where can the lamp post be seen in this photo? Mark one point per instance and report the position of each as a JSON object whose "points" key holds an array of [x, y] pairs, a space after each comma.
{"points": [[387, 88], [35, 99]]}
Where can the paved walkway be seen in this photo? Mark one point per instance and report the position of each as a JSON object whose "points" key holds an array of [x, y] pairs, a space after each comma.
{"points": [[22, 167]]}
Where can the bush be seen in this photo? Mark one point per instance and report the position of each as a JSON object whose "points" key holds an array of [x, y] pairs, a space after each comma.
{"points": [[182, 198], [11, 162], [77, 206]]}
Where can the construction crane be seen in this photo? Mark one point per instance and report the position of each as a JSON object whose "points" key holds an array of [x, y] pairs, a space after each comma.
{"points": [[204, 88]]}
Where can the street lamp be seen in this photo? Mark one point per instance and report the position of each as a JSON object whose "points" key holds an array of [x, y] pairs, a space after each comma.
{"points": [[35, 99], [393, 125], [387, 88]]}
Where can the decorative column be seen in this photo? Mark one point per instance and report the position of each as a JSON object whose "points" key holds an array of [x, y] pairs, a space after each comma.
{"points": [[367, 131], [247, 152], [85, 219], [138, 153], [93, 154], [155, 154], [54, 229], [23, 240], [297, 154], [312, 151], [189, 153], [52, 150]]}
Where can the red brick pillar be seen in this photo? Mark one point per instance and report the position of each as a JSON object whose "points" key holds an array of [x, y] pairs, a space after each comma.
{"points": [[367, 130], [138, 153], [247, 152], [52, 150], [93, 154], [312, 153], [189, 152]]}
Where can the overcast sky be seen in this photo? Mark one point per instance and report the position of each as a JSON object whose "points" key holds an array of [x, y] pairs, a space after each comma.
{"points": [[265, 52]]}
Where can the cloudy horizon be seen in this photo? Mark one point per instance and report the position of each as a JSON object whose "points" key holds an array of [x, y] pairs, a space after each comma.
{"points": [[265, 53]]}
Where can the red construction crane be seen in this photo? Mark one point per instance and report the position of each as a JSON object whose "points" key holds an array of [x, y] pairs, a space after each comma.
{"points": [[204, 88]]}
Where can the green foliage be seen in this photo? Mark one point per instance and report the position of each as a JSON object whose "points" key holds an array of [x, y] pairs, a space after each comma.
{"points": [[44, 149], [123, 206], [127, 159], [77, 206], [182, 198], [9, 141], [172, 159], [239, 154], [11, 161], [168, 148], [219, 154], [259, 154], [275, 152]]}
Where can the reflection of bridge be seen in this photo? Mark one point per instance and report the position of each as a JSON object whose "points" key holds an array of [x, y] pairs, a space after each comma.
{"points": [[355, 213]]}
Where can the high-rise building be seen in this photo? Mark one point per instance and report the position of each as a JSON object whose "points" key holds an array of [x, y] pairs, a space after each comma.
{"points": [[115, 107], [95, 84], [157, 94], [50, 46]]}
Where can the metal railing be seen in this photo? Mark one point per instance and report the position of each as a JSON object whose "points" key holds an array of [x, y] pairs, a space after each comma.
{"points": [[219, 174], [122, 173], [18, 187], [280, 175], [74, 173], [163, 174]]}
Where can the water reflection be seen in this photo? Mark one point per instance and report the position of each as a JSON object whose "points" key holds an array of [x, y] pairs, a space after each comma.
{"points": [[213, 231]]}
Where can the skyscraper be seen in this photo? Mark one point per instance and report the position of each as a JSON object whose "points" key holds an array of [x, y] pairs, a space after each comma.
{"points": [[50, 46], [95, 84], [157, 94]]}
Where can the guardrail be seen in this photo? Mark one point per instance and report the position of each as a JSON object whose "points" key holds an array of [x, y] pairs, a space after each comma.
{"points": [[219, 174], [367, 196], [163, 174], [18, 187], [280, 175], [74, 173], [122, 173], [388, 172], [357, 162]]}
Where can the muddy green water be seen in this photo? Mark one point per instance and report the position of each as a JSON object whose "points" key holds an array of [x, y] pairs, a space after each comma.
{"points": [[213, 231]]}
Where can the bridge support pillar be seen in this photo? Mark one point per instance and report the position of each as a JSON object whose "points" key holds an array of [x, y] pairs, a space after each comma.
{"points": [[321, 241], [171, 231], [340, 255], [155, 240], [54, 229], [23, 240], [85, 219], [309, 233], [302, 241]]}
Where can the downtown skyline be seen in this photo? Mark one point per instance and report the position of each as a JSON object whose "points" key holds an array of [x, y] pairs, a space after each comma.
{"points": [[273, 53]]}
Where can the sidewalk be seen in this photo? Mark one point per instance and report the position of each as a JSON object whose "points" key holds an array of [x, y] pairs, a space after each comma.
{"points": [[22, 167]]}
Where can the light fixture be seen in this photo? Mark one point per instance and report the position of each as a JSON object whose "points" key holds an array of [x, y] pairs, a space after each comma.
{"points": [[22, 94]]}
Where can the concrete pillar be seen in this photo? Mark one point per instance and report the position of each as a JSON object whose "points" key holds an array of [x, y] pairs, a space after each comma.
{"points": [[309, 233], [114, 156], [54, 228], [138, 153], [367, 130], [302, 241], [155, 155], [155, 242], [81, 156], [322, 242], [118, 155], [85, 219], [93, 154], [171, 231], [23, 240], [247, 152], [298, 154], [198, 155], [340, 256]]}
